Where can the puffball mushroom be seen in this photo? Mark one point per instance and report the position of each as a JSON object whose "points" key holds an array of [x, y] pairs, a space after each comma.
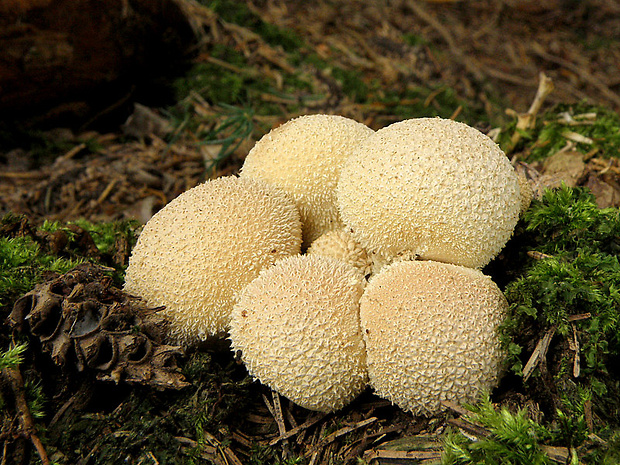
{"points": [[200, 250], [435, 187], [339, 244], [303, 157], [430, 333], [526, 192], [297, 327]]}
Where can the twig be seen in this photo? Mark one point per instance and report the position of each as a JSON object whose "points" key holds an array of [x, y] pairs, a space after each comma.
{"points": [[539, 353], [16, 381], [292, 432], [413, 456], [469, 427], [341, 432], [526, 121], [557, 454], [276, 413], [536, 255], [577, 358]]}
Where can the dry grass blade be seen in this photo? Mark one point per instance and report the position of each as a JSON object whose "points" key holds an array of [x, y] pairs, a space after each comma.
{"points": [[292, 432], [403, 457]]}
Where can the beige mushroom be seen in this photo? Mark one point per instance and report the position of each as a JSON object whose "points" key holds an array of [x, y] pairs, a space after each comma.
{"points": [[200, 250], [431, 334], [303, 157], [297, 327], [434, 187]]}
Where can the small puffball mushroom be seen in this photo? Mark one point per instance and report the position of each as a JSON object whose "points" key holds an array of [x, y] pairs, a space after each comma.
{"points": [[303, 157], [430, 333], [526, 192], [200, 250], [437, 188], [297, 327], [340, 244]]}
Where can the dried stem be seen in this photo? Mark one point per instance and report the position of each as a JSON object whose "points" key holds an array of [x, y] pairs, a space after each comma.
{"points": [[16, 381]]}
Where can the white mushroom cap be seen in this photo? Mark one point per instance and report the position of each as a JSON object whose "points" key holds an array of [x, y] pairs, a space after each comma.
{"points": [[201, 249], [435, 187], [304, 157], [430, 333], [297, 326]]}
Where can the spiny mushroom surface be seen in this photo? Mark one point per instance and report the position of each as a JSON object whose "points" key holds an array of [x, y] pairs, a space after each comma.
{"points": [[297, 327], [198, 252], [339, 244], [435, 187], [304, 157], [527, 193], [430, 333]]}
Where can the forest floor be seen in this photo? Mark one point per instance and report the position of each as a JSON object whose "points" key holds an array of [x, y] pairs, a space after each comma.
{"points": [[257, 65]]}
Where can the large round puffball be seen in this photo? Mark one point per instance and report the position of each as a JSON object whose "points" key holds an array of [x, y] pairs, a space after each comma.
{"points": [[297, 327], [431, 334], [200, 250], [434, 187], [303, 157]]}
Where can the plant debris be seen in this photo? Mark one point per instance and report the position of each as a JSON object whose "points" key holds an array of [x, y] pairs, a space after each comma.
{"points": [[85, 323]]}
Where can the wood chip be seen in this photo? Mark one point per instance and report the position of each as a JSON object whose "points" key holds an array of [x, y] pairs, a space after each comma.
{"points": [[540, 352]]}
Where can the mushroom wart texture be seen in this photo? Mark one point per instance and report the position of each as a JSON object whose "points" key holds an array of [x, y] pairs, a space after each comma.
{"points": [[200, 250], [430, 333], [304, 157], [339, 244], [435, 187], [297, 326]]}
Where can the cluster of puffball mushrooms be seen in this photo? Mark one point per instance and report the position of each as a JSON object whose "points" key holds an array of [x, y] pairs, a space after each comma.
{"points": [[342, 257]]}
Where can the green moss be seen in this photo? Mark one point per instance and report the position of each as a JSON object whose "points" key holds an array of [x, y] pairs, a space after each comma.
{"points": [[552, 132], [22, 264], [105, 235], [414, 39], [574, 288], [514, 439], [219, 84], [351, 83], [25, 259], [567, 220]]}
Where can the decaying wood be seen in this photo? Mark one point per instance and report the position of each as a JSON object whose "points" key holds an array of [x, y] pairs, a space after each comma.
{"points": [[79, 57]]}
